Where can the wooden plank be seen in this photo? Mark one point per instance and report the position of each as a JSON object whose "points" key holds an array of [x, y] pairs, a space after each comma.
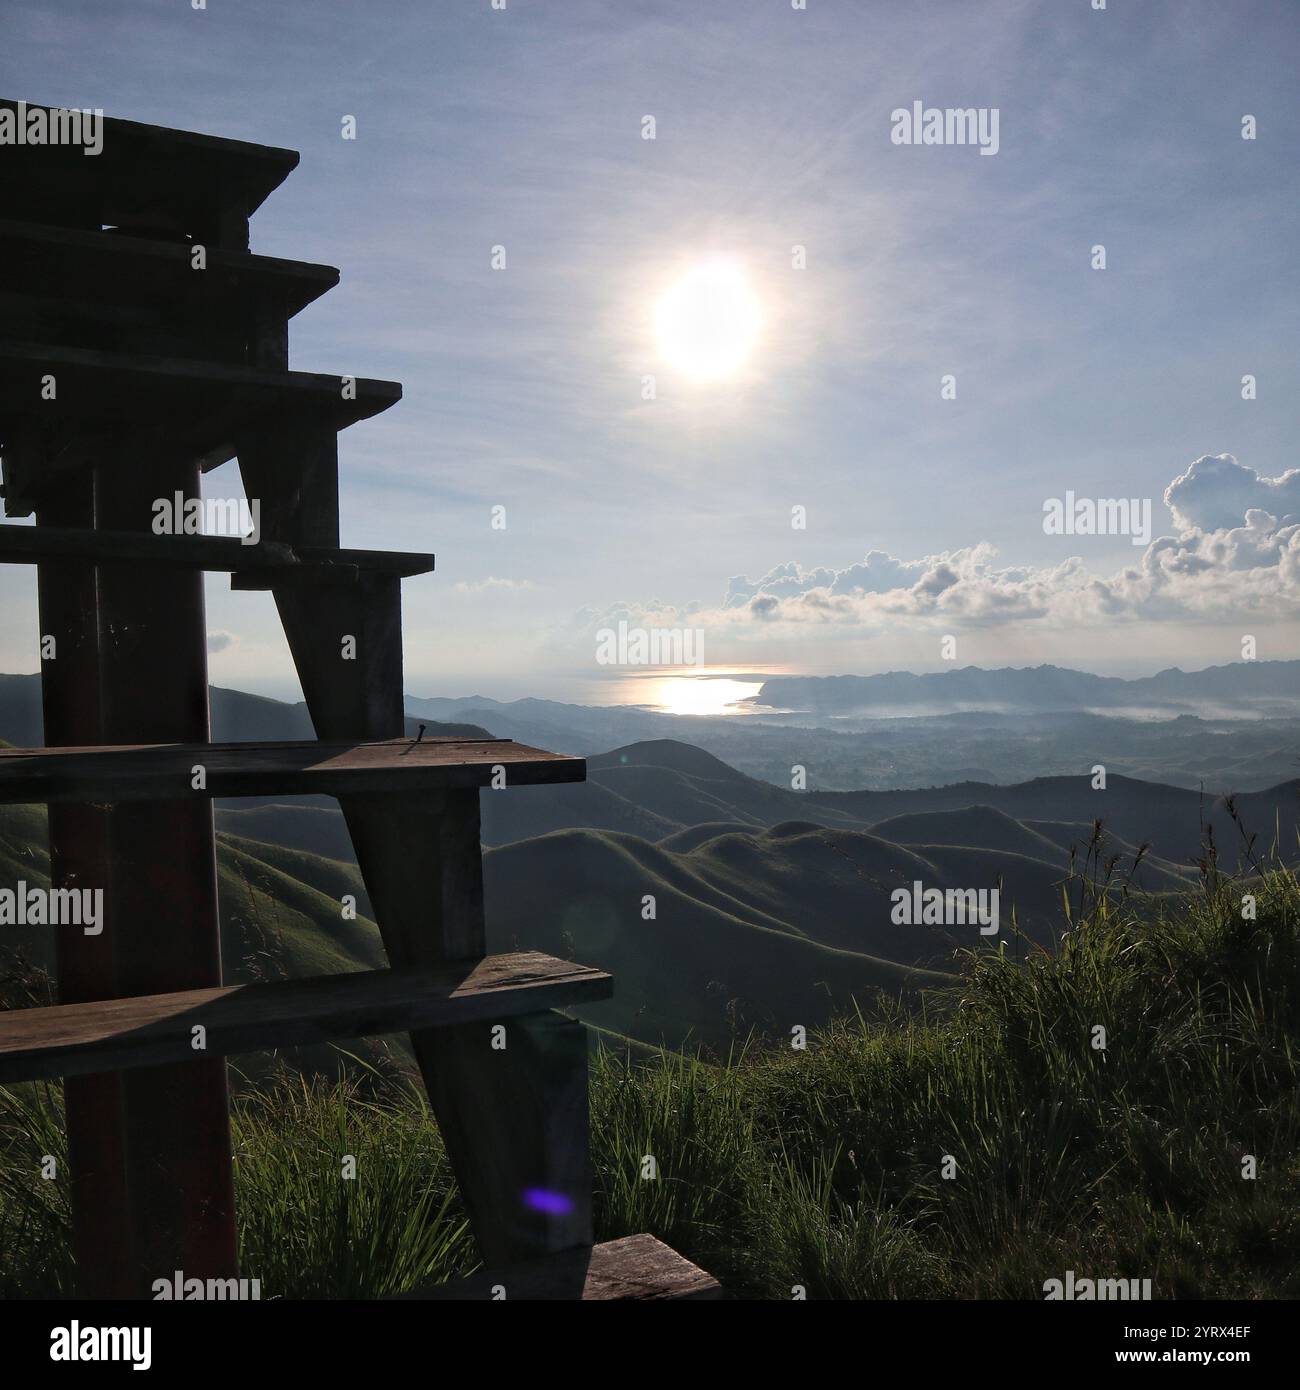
{"points": [[264, 564], [150, 1030], [120, 773], [633, 1268]]}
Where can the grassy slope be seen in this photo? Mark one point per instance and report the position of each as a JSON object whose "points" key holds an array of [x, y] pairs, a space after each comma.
{"points": [[1171, 819], [317, 829], [281, 912], [726, 952], [765, 927], [719, 957], [821, 1168], [281, 908], [23, 852]]}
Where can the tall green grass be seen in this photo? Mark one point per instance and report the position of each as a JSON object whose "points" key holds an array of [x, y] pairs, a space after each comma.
{"points": [[975, 1152]]}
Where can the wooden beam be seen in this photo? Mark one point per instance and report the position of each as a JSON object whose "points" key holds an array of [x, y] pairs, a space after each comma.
{"points": [[148, 1030], [154, 685], [262, 565], [85, 967], [368, 617], [514, 1117], [123, 773], [517, 1126], [635, 1268], [292, 466]]}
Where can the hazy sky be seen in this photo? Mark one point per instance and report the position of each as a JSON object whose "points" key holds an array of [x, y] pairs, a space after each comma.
{"points": [[523, 128]]}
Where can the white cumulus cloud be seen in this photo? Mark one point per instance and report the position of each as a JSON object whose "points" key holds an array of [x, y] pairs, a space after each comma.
{"points": [[1230, 557], [1216, 492]]}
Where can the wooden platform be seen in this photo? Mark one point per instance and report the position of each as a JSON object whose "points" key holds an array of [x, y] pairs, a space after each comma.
{"points": [[163, 771], [263, 565], [634, 1268], [152, 1030]]}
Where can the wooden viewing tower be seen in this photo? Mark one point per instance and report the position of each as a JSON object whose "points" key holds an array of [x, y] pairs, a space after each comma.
{"points": [[141, 345]]}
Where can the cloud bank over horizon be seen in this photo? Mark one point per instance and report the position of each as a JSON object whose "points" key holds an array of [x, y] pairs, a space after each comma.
{"points": [[1229, 557]]}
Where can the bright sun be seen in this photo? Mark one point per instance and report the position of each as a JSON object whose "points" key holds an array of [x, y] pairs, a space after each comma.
{"points": [[708, 321]]}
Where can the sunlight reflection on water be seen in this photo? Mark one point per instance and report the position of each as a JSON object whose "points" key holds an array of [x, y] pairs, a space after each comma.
{"points": [[690, 694]]}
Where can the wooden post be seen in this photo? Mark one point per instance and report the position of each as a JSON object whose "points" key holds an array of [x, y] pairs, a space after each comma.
{"points": [[79, 858], [155, 688], [154, 1190]]}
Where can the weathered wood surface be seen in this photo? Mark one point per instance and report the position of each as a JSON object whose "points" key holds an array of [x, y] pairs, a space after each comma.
{"points": [[635, 1267], [264, 564], [119, 773], [149, 1030]]}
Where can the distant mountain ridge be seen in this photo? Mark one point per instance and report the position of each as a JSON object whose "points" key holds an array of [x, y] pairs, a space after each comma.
{"points": [[1041, 688], [681, 797], [1231, 728], [1243, 748]]}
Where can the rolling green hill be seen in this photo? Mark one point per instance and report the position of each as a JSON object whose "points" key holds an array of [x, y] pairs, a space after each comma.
{"points": [[317, 829], [984, 827], [676, 787], [729, 947], [720, 956], [981, 827], [682, 783], [1173, 820], [281, 918], [280, 908], [771, 907]]}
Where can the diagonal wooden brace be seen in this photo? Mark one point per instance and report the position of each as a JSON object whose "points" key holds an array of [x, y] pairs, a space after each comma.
{"points": [[511, 1105]]}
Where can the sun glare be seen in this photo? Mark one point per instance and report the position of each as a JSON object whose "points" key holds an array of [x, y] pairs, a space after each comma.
{"points": [[691, 694], [707, 323]]}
